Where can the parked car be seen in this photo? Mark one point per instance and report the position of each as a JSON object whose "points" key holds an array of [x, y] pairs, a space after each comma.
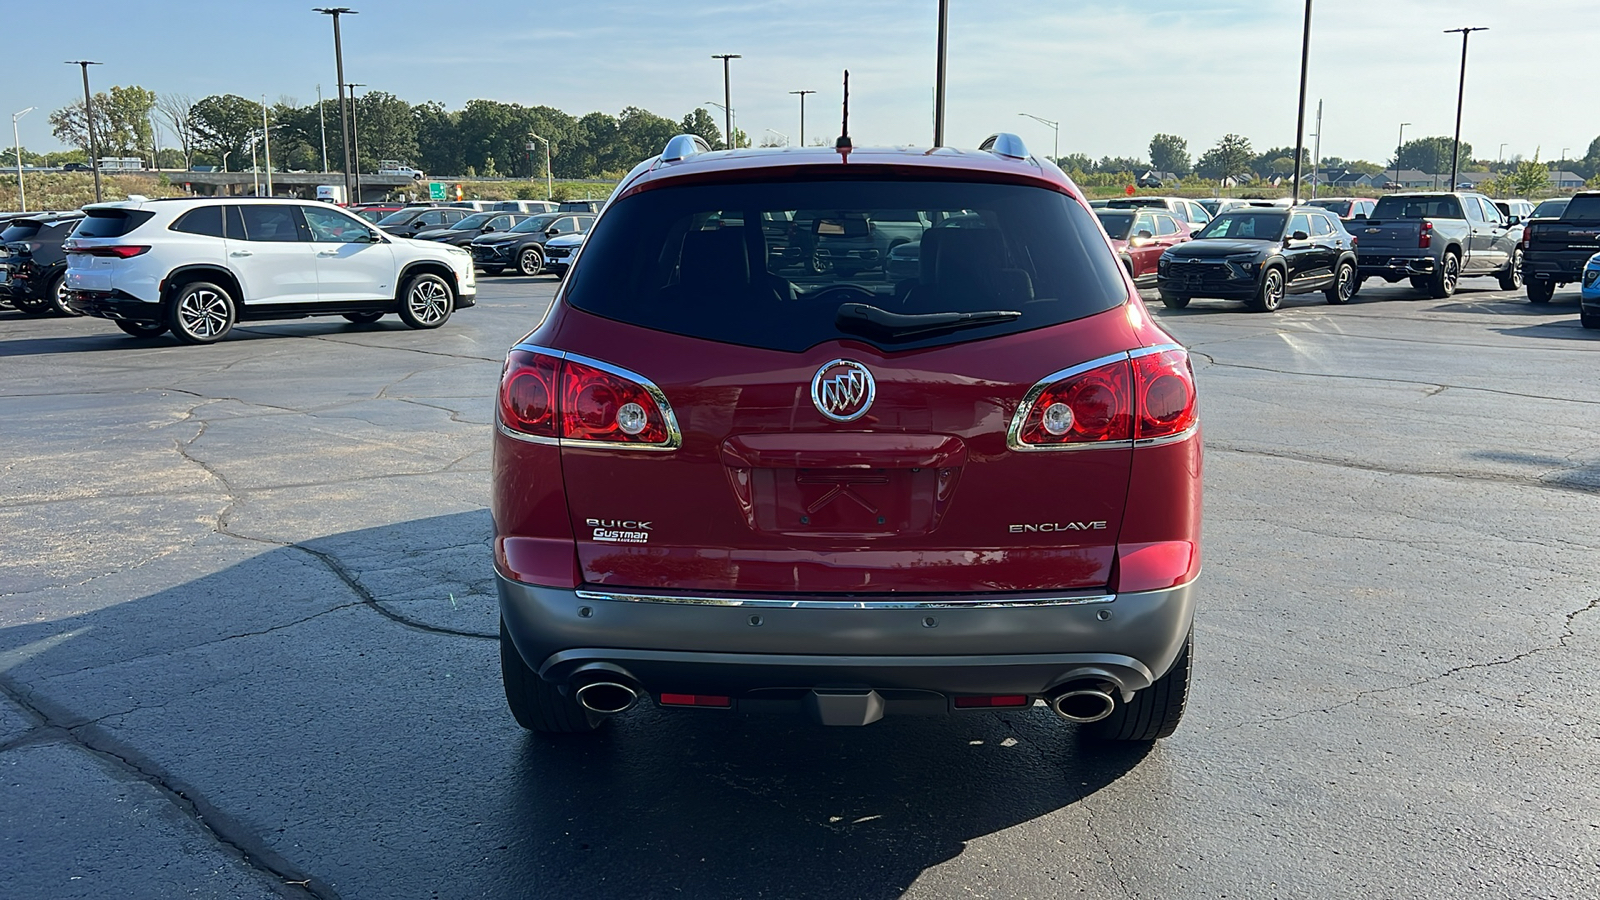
{"points": [[376, 212], [1521, 210], [720, 487], [1556, 251], [1435, 239], [76, 167], [462, 232], [583, 206], [1190, 212], [1216, 206], [560, 250], [413, 219], [1346, 208], [33, 269], [522, 247], [1140, 236], [905, 259], [196, 266], [473, 205], [1589, 298], [1260, 255], [1550, 209], [530, 207]]}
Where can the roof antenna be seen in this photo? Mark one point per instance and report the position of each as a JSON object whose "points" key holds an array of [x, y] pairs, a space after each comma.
{"points": [[843, 143]]}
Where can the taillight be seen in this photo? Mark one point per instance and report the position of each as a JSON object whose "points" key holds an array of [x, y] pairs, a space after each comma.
{"points": [[1527, 235], [120, 251], [1425, 236], [1114, 402], [583, 401]]}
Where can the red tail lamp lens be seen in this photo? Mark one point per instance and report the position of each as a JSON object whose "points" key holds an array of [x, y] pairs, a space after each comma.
{"points": [[548, 396], [529, 388], [599, 406], [120, 252], [1165, 386], [992, 702], [1425, 236], [1099, 404]]}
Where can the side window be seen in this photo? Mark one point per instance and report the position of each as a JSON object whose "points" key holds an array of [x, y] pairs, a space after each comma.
{"points": [[1299, 222], [452, 216], [271, 223], [1492, 212], [329, 227], [1144, 222], [1166, 226], [207, 220], [232, 223], [1198, 214], [567, 224], [431, 218], [1320, 226], [1474, 211], [1181, 210], [584, 222]]}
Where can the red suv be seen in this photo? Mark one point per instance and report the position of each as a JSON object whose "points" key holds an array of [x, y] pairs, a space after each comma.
{"points": [[1140, 236], [728, 479]]}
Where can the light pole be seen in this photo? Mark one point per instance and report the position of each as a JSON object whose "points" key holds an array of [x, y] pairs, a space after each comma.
{"points": [[727, 92], [255, 170], [802, 114], [1300, 122], [344, 113], [1561, 167], [322, 125], [733, 121], [266, 138], [355, 144], [549, 180], [88, 121], [1316, 153], [1397, 148], [938, 74], [16, 144], [1461, 95], [1054, 126], [780, 134]]}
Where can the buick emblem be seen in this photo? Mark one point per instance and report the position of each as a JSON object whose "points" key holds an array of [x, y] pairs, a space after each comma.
{"points": [[843, 390]]}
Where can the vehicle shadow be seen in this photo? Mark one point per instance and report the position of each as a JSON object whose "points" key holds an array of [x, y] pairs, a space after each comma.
{"points": [[359, 738], [113, 340]]}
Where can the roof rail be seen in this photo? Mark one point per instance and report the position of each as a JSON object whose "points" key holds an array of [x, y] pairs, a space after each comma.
{"points": [[684, 146], [1005, 144]]}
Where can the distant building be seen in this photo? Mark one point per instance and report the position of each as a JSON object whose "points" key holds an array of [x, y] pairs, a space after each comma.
{"points": [[1566, 181]]}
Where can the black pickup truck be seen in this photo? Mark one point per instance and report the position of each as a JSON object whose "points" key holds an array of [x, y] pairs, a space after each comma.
{"points": [[1554, 251]]}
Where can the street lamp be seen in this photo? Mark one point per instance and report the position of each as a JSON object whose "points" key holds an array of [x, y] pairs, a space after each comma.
{"points": [[549, 180], [727, 92], [802, 114], [733, 120], [355, 144], [266, 136], [1300, 122], [1561, 167], [88, 121], [322, 125], [1461, 94], [338, 56], [16, 144], [938, 73], [1054, 126], [1397, 148]]}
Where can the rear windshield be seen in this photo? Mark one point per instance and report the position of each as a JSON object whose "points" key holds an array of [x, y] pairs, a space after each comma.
{"points": [[1550, 207], [20, 231], [1583, 209], [786, 266], [1339, 207], [1440, 207], [1116, 224], [1246, 226], [110, 223]]}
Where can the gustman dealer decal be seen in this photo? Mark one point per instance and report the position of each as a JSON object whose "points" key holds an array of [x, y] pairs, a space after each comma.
{"points": [[620, 531]]}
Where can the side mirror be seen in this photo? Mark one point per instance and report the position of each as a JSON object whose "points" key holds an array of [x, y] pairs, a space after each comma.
{"points": [[1145, 235], [487, 229], [1513, 221], [552, 231], [1359, 217], [1300, 236]]}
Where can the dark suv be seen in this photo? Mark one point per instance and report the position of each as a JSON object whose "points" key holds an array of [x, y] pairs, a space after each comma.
{"points": [[723, 482], [522, 248], [412, 220], [1261, 254], [33, 269]]}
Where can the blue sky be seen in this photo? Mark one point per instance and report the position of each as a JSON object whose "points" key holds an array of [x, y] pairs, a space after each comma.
{"points": [[1112, 72]]}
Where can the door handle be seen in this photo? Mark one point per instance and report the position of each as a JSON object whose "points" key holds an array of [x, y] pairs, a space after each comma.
{"points": [[327, 253], [241, 253]]}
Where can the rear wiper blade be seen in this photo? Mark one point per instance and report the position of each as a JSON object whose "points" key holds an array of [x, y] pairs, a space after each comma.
{"points": [[863, 318]]}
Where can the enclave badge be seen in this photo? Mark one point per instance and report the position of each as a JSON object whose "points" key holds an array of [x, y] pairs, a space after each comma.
{"points": [[843, 390]]}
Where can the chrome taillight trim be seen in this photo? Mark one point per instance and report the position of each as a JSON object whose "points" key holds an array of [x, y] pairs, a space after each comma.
{"points": [[1020, 417], [906, 603], [668, 417]]}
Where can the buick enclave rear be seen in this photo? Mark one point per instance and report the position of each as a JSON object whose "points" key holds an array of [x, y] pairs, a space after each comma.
{"points": [[729, 479]]}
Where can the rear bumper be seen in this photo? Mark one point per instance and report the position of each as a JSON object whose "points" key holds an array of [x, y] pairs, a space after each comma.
{"points": [[1557, 267], [114, 305], [1394, 267], [764, 647]]}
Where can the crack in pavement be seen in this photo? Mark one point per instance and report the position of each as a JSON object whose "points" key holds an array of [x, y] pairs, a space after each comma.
{"points": [[232, 837], [1434, 384], [1488, 477]]}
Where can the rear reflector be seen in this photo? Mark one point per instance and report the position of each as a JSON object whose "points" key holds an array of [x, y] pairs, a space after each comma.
{"points": [[990, 702], [709, 700]]}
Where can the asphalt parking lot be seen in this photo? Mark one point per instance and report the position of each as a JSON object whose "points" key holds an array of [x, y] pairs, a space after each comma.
{"points": [[246, 642]]}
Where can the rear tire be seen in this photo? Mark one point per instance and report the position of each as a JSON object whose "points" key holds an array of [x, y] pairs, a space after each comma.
{"points": [[1443, 284], [427, 301], [1269, 296], [201, 313], [1174, 301], [1540, 291], [363, 318], [1344, 285], [32, 306], [1511, 278], [1154, 712], [537, 704], [56, 297], [141, 329]]}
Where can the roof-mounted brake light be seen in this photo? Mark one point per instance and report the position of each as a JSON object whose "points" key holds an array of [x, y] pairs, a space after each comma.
{"points": [[1005, 144]]}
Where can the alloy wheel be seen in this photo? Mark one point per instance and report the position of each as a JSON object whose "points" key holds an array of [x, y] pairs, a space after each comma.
{"points": [[1347, 283], [429, 302], [203, 313], [530, 262]]}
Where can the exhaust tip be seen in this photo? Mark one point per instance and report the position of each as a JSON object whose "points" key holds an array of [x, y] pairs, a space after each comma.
{"points": [[1084, 705], [607, 697]]}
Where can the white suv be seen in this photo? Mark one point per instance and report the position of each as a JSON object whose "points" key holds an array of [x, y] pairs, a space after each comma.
{"points": [[196, 266]]}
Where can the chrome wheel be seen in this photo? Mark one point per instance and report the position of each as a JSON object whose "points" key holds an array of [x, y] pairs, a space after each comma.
{"points": [[429, 302], [1271, 293], [203, 314]]}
